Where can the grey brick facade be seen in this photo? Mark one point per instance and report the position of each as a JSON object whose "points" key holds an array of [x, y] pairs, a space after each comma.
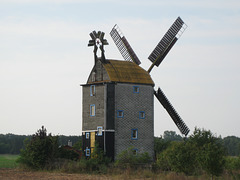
{"points": [[113, 97], [91, 122], [132, 104]]}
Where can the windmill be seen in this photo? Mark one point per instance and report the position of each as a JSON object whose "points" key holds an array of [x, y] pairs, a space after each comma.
{"points": [[118, 97], [156, 57]]}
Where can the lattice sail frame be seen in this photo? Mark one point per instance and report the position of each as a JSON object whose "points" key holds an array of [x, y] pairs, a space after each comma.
{"points": [[123, 45], [172, 112], [167, 42]]}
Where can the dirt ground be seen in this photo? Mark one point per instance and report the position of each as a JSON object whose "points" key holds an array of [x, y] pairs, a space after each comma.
{"points": [[12, 174]]}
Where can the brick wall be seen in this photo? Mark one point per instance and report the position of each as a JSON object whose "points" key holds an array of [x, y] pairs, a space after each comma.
{"points": [[91, 122], [131, 104]]}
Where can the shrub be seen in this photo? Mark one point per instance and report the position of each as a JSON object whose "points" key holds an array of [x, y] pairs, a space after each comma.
{"points": [[201, 152], [40, 150], [232, 163], [211, 159], [179, 157], [209, 150], [67, 154], [128, 158]]}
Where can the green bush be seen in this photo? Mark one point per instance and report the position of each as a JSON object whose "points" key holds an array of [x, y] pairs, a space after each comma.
{"points": [[67, 154], [40, 150], [43, 152], [209, 150], [202, 151], [212, 158], [97, 163], [179, 157], [232, 163], [128, 158], [160, 144]]}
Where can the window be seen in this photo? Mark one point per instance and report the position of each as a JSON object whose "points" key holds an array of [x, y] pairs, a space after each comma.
{"points": [[92, 90], [99, 128], [141, 115], [135, 151], [135, 89], [87, 135], [134, 134], [92, 110], [120, 113], [88, 152]]}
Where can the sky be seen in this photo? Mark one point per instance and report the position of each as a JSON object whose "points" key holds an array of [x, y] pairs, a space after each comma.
{"points": [[44, 58]]}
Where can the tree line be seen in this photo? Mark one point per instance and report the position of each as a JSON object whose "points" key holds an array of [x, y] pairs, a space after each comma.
{"points": [[12, 144], [231, 144]]}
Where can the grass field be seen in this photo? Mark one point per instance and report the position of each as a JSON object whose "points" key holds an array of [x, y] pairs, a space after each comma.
{"points": [[8, 161], [10, 170]]}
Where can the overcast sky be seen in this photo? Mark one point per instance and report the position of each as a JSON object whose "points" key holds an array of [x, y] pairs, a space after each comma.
{"points": [[44, 58]]}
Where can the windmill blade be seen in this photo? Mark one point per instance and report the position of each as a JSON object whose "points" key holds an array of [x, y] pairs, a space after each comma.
{"points": [[123, 45], [167, 42], [172, 112]]}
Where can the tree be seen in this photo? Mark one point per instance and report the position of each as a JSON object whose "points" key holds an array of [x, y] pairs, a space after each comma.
{"points": [[212, 159], [40, 150], [209, 150], [11, 143], [171, 136], [160, 144], [201, 151], [232, 145], [178, 157], [78, 145]]}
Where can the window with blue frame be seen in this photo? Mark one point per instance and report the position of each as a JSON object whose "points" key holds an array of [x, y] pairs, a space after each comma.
{"points": [[92, 110], [135, 89], [92, 90], [141, 115], [87, 135], [99, 130], [88, 152], [120, 114], [134, 134], [135, 151]]}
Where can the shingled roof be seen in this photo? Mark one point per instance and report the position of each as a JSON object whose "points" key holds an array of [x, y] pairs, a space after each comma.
{"points": [[127, 72]]}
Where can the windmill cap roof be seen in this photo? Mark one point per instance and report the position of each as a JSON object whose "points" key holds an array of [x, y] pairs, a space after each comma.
{"points": [[127, 72]]}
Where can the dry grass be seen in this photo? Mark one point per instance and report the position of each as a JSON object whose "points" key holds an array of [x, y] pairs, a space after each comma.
{"points": [[19, 174], [12, 174]]}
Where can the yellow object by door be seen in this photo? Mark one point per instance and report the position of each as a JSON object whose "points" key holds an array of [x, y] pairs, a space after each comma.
{"points": [[92, 141]]}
